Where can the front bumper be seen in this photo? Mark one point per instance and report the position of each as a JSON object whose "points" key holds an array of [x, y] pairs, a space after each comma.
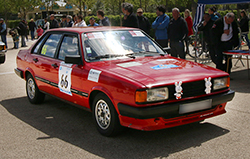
{"points": [[167, 116], [171, 110]]}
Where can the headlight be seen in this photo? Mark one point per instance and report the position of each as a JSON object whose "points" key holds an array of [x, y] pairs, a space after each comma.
{"points": [[221, 83], [151, 95]]}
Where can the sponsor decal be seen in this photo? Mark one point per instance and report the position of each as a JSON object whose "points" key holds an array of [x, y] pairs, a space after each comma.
{"points": [[164, 66], [136, 33], [64, 76], [94, 75], [95, 35]]}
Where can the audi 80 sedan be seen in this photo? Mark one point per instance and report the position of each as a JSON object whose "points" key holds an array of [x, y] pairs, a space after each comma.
{"points": [[123, 77]]}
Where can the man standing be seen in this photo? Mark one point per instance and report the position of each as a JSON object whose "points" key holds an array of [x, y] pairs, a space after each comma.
{"points": [[46, 25], [3, 31], [69, 21], [92, 22], [130, 19], [104, 21], [32, 27], [63, 22], [160, 25], [23, 30], [206, 27], [143, 21], [177, 32], [225, 31], [54, 22]]}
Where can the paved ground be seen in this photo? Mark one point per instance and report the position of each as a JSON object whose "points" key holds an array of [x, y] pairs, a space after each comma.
{"points": [[57, 130]]}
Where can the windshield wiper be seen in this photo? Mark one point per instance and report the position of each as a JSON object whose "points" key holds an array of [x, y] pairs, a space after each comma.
{"points": [[107, 56], [153, 52]]}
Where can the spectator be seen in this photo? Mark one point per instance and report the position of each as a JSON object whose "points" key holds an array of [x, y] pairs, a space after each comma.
{"points": [[143, 21], [32, 27], [63, 22], [225, 31], [23, 30], [129, 19], [92, 22], [177, 32], [80, 22], [39, 31], [189, 22], [46, 25], [69, 21], [14, 33], [74, 19], [216, 13], [190, 28], [206, 27], [244, 26], [104, 21], [211, 12], [161, 25], [3, 31], [54, 22]]}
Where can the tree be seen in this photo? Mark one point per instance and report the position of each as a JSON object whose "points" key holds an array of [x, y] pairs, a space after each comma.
{"points": [[6, 8]]}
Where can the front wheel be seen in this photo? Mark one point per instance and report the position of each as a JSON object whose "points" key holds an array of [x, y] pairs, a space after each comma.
{"points": [[33, 93], [105, 116]]}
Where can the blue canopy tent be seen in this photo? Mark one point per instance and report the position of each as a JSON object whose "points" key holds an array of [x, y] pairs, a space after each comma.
{"points": [[201, 8]]}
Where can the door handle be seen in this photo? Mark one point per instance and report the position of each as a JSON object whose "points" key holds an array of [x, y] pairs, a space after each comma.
{"points": [[54, 65], [36, 60]]}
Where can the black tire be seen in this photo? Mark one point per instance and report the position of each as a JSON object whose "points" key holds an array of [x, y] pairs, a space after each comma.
{"points": [[2, 59], [105, 116], [33, 93]]}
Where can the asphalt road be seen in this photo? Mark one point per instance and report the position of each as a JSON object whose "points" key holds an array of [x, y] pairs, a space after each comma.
{"points": [[55, 129]]}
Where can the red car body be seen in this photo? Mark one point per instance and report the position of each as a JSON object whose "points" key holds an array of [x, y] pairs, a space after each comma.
{"points": [[121, 79]]}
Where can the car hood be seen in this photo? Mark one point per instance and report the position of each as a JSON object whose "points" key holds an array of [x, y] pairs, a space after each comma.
{"points": [[157, 71]]}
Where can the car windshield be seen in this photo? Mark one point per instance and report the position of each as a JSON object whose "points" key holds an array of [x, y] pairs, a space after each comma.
{"points": [[106, 45]]}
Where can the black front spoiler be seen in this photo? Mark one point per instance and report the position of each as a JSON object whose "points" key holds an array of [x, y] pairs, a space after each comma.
{"points": [[169, 109]]}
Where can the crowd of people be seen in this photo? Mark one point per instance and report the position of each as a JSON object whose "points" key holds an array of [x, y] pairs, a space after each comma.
{"points": [[220, 33]]}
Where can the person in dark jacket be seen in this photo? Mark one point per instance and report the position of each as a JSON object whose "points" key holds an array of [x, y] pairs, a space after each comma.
{"points": [[161, 25], [206, 27], [3, 31], [104, 21], [244, 26], [143, 21], [54, 22], [130, 19], [23, 32], [32, 27], [70, 23], [177, 33], [225, 31]]}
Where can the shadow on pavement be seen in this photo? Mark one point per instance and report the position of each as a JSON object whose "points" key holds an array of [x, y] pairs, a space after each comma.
{"points": [[240, 81], [59, 120]]}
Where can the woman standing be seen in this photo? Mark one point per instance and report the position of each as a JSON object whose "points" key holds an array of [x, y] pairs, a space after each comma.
{"points": [[244, 26], [190, 28], [189, 22]]}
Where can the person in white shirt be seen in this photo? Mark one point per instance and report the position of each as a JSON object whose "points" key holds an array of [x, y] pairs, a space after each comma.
{"points": [[46, 25], [225, 37], [80, 22]]}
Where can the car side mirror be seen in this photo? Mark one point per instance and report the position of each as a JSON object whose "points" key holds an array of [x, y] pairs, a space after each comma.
{"points": [[167, 49], [73, 59]]}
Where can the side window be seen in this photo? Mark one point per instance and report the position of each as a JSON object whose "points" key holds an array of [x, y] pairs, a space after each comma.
{"points": [[35, 51], [49, 47], [69, 46]]}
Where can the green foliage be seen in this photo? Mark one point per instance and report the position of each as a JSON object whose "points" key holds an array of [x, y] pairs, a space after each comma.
{"points": [[13, 23]]}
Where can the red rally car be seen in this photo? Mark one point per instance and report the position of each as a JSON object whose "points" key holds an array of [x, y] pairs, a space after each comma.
{"points": [[123, 77]]}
